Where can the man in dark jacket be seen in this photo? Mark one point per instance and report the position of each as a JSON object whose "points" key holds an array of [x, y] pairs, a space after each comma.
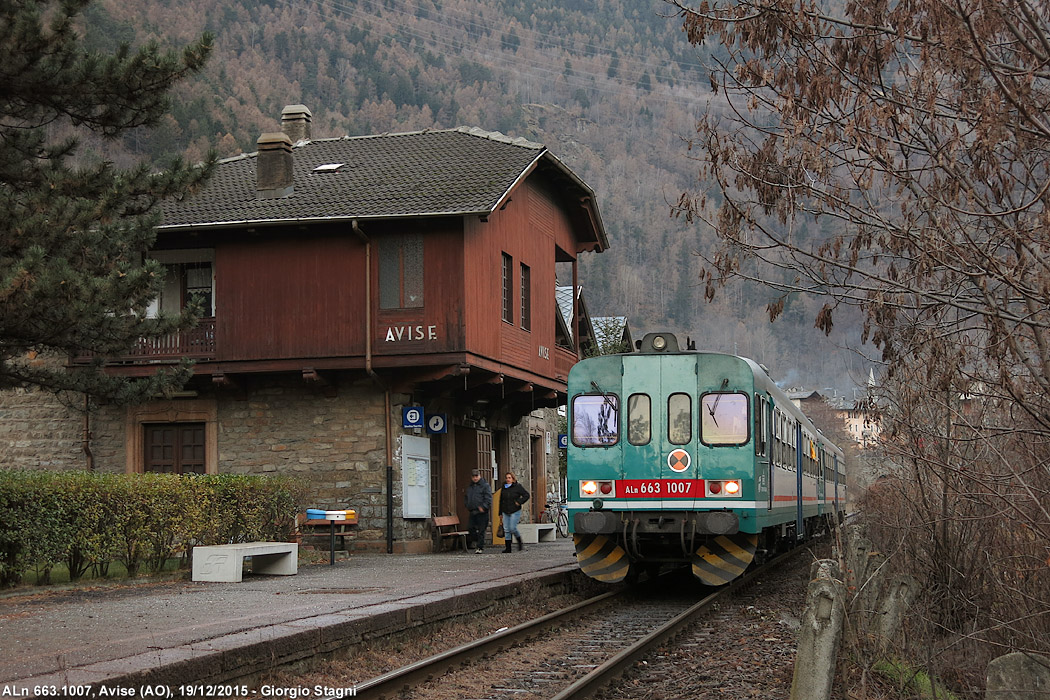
{"points": [[479, 502]]}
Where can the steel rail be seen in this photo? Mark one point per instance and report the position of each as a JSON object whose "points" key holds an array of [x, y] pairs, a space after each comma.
{"points": [[589, 685], [389, 684], [393, 682]]}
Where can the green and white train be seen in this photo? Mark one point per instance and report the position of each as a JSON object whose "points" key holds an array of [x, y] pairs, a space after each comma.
{"points": [[691, 458]]}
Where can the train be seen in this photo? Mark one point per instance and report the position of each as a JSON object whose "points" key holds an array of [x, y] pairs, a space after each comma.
{"points": [[683, 458]]}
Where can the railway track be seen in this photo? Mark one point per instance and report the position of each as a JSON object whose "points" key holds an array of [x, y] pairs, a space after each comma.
{"points": [[569, 654]]}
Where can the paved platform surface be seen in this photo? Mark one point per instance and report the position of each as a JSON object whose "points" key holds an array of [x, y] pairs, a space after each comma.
{"points": [[131, 633]]}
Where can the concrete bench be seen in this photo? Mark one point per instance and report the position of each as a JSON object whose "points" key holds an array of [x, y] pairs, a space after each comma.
{"points": [[531, 533], [224, 562]]}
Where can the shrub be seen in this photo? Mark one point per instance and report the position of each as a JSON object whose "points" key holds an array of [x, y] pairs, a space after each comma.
{"points": [[87, 519]]}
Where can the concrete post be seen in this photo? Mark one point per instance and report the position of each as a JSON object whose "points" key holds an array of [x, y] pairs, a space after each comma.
{"points": [[900, 594], [818, 641], [1019, 676], [857, 552], [824, 568], [869, 592]]}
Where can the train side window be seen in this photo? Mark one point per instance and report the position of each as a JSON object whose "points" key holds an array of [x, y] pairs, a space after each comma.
{"points": [[679, 419], [639, 419], [760, 426], [793, 444], [724, 419], [595, 420]]}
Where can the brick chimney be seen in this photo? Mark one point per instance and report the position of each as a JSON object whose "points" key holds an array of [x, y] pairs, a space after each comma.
{"points": [[295, 121], [273, 175]]}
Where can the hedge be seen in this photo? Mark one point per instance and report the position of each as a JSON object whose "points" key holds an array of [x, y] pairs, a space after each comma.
{"points": [[88, 520]]}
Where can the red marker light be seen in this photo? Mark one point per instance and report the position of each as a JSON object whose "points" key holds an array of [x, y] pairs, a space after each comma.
{"points": [[714, 486], [606, 487]]}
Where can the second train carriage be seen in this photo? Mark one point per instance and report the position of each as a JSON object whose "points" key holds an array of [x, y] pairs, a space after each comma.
{"points": [[690, 458]]}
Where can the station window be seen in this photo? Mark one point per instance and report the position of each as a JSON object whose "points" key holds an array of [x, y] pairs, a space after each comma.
{"points": [[679, 419], [401, 271], [724, 418], [639, 419], [188, 278], [508, 279], [526, 297], [174, 448], [595, 420]]}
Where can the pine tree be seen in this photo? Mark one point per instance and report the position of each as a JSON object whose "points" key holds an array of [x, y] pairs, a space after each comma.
{"points": [[74, 278]]}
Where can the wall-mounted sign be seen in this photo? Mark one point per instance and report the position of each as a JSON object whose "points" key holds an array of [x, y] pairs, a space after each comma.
{"points": [[563, 441], [404, 333], [415, 476], [412, 417], [437, 423], [544, 352]]}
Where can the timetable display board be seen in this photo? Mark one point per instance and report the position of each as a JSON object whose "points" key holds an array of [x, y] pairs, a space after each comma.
{"points": [[415, 477]]}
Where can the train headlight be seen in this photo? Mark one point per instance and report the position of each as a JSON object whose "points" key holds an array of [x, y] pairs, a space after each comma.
{"points": [[659, 343], [729, 488], [588, 488]]}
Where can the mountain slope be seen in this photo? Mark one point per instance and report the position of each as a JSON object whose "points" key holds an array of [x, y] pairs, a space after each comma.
{"points": [[610, 86]]}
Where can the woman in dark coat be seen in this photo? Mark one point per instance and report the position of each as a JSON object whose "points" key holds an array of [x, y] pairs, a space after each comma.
{"points": [[512, 495]]}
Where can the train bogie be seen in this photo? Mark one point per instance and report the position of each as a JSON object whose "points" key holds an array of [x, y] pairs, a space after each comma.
{"points": [[690, 458]]}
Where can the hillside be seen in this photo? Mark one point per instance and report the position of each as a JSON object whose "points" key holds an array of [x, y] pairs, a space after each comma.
{"points": [[610, 86]]}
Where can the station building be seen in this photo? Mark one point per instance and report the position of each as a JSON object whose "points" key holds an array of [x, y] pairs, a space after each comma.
{"points": [[381, 317]]}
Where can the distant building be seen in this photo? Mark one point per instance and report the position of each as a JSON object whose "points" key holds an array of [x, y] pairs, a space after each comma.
{"points": [[861, 424], [801, 396], [860, 420], [573, 306]]}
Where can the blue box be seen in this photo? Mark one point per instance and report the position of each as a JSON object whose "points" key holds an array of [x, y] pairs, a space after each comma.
{"points": [[314, 514]]}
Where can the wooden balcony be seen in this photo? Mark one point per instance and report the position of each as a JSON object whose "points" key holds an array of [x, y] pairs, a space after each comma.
{"points": [[197, 343], [564, 359]]}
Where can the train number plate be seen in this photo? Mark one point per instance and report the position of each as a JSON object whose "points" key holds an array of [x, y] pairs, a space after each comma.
{"points": [[660, 488]]}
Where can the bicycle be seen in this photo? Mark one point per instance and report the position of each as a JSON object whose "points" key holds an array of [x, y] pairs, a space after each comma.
{"points": [[557, 513]]}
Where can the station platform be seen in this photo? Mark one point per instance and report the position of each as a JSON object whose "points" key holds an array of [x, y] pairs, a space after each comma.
{"points": [[173, 633]]}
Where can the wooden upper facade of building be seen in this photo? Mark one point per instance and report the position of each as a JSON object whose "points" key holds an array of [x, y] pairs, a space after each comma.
{"points": [[425, 258]]}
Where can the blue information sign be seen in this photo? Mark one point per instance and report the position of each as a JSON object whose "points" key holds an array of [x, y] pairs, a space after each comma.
{"points": [[563, 441], [437, 423], [412, 417]]}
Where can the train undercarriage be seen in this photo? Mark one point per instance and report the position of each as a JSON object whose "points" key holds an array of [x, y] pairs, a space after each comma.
{"points": [[615, 545]]}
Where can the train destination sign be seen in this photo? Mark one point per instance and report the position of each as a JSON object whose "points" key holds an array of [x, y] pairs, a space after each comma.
{"points": [[666, 488]]}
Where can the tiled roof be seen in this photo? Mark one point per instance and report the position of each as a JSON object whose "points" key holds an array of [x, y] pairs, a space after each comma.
{"points": [[563, 295], [426, 173]]}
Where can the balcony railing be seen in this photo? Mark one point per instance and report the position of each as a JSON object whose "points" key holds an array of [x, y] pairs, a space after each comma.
{"points": [[564, 359], [197, 343]]}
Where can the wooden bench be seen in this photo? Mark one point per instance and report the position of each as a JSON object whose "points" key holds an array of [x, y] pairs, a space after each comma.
{"points": [[451, 522], [318, 528], [224, 562]]}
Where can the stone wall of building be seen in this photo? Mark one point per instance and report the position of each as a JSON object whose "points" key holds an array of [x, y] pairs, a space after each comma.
{"points": [[336, 444], [41, 430]]}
